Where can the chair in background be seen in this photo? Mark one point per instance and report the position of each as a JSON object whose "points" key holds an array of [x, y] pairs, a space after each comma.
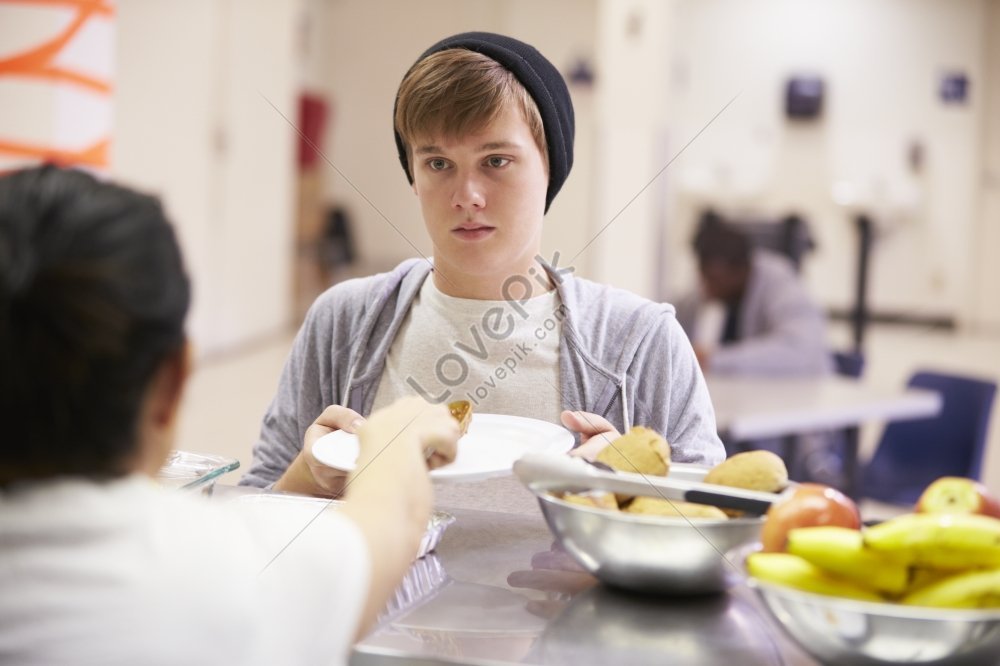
{"points": [[911, 454], [849, 364]]}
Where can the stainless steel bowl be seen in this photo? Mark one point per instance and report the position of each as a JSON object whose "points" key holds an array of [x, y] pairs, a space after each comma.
{"points": [[845, 631], [648, 553]]}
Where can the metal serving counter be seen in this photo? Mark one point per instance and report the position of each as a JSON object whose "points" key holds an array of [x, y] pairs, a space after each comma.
{"points": [[497, 592]]}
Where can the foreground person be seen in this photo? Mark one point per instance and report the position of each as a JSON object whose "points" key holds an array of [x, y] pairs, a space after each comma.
{"points": [[98, 564]]}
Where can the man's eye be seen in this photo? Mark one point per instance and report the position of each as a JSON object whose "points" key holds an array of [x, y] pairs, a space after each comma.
{"points": [[497, 162], [437, 164]]}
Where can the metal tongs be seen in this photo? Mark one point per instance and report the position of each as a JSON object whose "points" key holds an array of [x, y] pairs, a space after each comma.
{"points": [[547, 471]]}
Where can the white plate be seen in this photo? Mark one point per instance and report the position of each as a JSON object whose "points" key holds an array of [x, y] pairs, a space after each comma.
{"points": [[489, 449]]}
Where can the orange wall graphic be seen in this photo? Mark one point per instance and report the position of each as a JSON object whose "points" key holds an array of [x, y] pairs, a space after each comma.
{"points": [[58, 85]]}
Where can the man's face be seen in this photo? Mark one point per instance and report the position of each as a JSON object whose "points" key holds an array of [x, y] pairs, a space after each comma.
{"points": [[483, 199], [723, 281]]}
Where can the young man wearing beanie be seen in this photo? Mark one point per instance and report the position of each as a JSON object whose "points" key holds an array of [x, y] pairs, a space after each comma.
{"points": [[484, 128]]}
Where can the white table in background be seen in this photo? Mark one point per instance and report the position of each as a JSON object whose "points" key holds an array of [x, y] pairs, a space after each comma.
{"points": [[752, 408], [763, 407]]}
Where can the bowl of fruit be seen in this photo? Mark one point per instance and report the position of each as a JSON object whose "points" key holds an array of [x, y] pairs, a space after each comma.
{"points": [[919, 588]]}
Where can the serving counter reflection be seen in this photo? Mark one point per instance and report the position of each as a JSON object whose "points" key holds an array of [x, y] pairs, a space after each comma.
{"points": [[497, 591]]}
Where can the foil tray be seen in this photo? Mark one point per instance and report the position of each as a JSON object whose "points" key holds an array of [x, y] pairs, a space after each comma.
{"points": [[425, 577]]}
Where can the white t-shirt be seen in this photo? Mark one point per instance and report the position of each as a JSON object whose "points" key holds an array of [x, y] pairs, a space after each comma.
{"points": [[125, 572], [503, 356]]}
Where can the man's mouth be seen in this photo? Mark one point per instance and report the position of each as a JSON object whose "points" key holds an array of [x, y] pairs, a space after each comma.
{"points": [[472, 231]]}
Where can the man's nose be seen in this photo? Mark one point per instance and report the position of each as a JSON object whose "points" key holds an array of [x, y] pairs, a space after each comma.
{"points": [[468, 193]]}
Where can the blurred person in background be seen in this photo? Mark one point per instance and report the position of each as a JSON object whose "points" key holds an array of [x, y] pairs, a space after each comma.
{"points": [[752, 316], [98, 563], [769, 324]]}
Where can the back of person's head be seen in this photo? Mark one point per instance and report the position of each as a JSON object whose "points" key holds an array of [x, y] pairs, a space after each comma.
{"points": [[719, 242], [93, 296], [464, 82]]}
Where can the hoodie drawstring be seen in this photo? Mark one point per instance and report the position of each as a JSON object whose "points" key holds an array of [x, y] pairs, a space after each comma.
{"points": [[625, 419]]}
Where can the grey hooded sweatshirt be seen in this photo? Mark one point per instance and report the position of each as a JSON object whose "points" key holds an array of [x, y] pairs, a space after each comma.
{"points": [[620, 356]]}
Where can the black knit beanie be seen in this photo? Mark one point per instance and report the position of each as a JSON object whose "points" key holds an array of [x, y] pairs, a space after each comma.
{"points": [[542, 81]]}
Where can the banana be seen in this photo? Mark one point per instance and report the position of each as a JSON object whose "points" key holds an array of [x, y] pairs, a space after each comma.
{"points": [[943, 541], [972, 589], [841, 551], [921, 578], [793, 571]]}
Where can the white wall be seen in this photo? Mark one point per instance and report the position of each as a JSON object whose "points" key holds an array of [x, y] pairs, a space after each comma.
{"points": [[634, 146], [370, 55], [164, 112], [881, 62], [985, 305], [193, 126]]}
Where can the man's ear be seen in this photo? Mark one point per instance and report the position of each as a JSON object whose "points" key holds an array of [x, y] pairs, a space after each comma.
{"points": [[170, 381], [160, 410]]}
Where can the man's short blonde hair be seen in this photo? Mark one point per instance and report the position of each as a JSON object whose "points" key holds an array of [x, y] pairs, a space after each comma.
{"points": [[456, 92]]}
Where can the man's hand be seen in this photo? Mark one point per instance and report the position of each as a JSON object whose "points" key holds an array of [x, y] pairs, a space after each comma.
{"points": [[308, 475], [596, 432], [704, 355]]}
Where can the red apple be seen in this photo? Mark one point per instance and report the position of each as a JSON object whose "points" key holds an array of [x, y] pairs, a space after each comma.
{"points": [[810, 505], [954, 494]]}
